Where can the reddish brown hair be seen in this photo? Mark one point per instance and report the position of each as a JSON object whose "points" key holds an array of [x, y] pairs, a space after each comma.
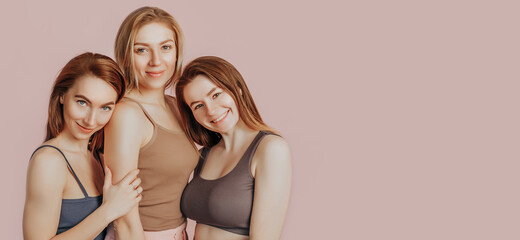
{"points": [[124, 46], [225, 76], [94, 64]]}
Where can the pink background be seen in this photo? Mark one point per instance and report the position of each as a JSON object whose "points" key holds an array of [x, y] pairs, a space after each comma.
{"points": [[402, 116]]}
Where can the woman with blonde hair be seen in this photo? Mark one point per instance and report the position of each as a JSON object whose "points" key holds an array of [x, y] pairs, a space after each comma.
{"points": [[240, 188], [67, 197], [144, 132]]}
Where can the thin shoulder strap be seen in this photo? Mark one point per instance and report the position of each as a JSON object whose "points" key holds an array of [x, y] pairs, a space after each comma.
{"points": [[142, 108], [172, 103], [70, 167], [203, 154]]}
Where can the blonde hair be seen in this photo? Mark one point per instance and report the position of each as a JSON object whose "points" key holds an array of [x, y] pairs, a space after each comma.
{"points": [[124, 45]]}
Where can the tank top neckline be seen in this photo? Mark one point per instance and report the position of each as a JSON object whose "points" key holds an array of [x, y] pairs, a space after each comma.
{"points": [[85, 194], [258, 136], [154, 123]]}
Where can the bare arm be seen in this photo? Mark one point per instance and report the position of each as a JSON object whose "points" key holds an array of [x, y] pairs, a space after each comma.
{"points": [[272, 171], [123, 139], [46, 179]]}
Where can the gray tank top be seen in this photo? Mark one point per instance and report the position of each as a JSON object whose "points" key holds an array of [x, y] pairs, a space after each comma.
{"points": [[226, 202], [73, 211]]}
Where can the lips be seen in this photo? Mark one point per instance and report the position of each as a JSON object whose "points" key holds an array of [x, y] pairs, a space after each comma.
{"points": [[155, 73], [84, 129], [221, 118]]}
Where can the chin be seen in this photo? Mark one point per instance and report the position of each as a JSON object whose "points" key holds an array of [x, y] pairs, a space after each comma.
{"points": [[83, 136]]}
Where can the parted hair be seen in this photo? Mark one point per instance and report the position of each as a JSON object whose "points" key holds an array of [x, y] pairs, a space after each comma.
{"points": [[225, 76], [124, 45], [88, 63]]}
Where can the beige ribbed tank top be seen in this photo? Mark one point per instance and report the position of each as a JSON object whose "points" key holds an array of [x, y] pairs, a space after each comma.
{"points": [[165, 164]]}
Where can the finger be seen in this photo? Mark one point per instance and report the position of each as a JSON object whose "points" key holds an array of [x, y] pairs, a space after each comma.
{"points": [[129, 177], [108, 177], [136, 183], [139, 190]]}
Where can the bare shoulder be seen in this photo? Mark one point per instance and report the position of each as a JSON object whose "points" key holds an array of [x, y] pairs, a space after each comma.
{"points": [[273, 144], [47, 166], [273, 149], [48, 157], [126, 109], [127, 117]]}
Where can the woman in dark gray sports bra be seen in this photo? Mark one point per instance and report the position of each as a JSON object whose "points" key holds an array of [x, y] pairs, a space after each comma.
{"points": [[240, 188], [65, 175]]}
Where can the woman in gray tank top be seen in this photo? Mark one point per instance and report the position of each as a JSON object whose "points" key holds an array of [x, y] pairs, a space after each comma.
{"points": [[240, 188], [65, 179]]}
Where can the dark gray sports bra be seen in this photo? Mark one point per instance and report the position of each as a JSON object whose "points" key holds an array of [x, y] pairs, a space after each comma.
{"points": [[73, 211], [226, 202]]}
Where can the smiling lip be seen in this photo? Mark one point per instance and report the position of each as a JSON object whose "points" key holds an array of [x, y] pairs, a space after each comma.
{"points": [[221, 118], [84, 129], [155, 74]]}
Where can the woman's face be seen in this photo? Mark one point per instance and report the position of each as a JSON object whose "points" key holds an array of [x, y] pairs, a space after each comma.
{"points": [[87, 106], [212, 107], [154, 55]]}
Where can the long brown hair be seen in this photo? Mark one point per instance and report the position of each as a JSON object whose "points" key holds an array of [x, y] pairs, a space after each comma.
{"points": [[94, 64], [124, 45], [225, 76]]}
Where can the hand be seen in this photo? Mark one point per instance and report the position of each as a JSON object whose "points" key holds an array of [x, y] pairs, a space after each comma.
{"points": [[119, 199]]}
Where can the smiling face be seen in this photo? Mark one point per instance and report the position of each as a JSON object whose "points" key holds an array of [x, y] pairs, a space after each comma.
{"points": [[154, 55], [87, 106], [212, 107]]}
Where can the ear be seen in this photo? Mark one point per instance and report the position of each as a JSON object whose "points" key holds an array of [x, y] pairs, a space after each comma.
{"points": [[61, 99]]}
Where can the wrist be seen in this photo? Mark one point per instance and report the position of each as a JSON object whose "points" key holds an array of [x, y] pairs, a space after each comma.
{"points": [[105, 213]]}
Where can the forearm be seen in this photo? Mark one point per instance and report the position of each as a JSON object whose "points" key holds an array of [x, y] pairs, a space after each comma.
{"points": [[129, 226], [89, 228]]}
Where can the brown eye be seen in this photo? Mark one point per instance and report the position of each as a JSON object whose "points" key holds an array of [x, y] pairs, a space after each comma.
{"points": [[197, 106]]}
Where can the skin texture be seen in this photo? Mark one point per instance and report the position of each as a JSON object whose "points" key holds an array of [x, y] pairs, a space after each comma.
{"points": [[87, 108], [215, 109], [129, 129]]}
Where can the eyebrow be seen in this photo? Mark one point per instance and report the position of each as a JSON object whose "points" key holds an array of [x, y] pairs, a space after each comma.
{"points": [[209, 94], [161, 43], [88, 100]]}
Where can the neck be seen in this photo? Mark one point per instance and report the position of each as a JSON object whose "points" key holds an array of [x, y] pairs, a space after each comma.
{"points": [[67, 141], [237, 137], [151, 96]]}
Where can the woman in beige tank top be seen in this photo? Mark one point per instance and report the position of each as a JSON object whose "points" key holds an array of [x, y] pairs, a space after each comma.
{"points": [[144, 131]]}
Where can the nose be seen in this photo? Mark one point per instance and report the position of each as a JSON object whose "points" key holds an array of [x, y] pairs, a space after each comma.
{"points": [[155, 58], [211, 109], [90, 119]]}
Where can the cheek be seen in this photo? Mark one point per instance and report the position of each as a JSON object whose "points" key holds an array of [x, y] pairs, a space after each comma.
{"points": [[169, 58], [103, 118], [228, 101], [74, 112], [199, 117], [140, 62]]}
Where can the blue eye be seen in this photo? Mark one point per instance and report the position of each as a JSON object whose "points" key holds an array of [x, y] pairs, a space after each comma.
{"points": [[106, 108], [167, 47], [82, 103], [140, 50]]}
